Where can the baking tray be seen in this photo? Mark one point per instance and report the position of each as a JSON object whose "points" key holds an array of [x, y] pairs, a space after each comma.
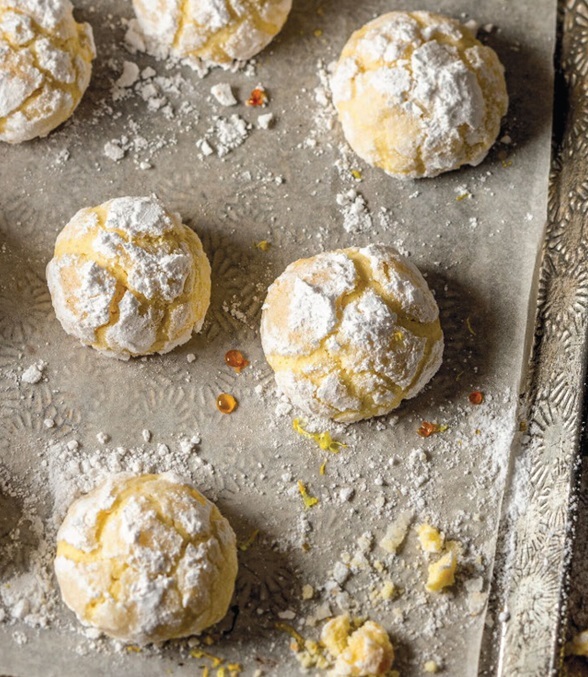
{"points": [[477, 234], [543, 502]]}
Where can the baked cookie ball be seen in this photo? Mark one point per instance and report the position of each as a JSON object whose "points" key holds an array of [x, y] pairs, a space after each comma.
{"points": [[129, 278], [418, 95], [45, 66], [351, 333], [216, 31], [145, 559]]}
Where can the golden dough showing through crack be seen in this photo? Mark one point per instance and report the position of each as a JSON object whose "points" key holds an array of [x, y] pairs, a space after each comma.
{"points": [[215, 31], [146, 559], [45, 66]]}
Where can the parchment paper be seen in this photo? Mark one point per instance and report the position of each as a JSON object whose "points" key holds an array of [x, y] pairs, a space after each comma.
{"points": [[475, 233]]}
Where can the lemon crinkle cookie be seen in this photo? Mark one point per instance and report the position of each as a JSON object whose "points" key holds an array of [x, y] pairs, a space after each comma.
{"points": [[45, 66], [215, 31], [351, 333], [129, 278], [146, 559], [417, 94]]}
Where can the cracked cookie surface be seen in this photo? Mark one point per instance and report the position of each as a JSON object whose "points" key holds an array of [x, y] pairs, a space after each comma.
{"points": [[146, 558], [215, 31], [45, 66], [129, 278], [417, 94], [351, 333]]}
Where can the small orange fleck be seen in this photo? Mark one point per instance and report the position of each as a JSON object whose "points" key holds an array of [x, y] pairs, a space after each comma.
{"points": [[226, 403], [257, 98], [427, 429], [235, 359], [477, 397]]}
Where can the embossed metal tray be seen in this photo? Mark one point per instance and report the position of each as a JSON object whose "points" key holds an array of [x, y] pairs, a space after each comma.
{"points": [[500, 478]]}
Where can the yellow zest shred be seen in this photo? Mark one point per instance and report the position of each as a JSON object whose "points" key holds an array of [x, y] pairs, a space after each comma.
{"points": [[317, 33], [324, 440], [243, 547], [323, 468], [199, 653], [308, 652], [356, 174], [469, 326], [230, 670], [263, 246], [284, 627], [463, 196], [133, 649], [309, 501]]}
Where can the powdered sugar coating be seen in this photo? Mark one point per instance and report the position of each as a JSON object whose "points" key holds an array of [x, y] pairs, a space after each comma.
{"points": [[146, 559], [351, 333], [128, 278], [418, 95], [45, 66], [215, 31]]}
